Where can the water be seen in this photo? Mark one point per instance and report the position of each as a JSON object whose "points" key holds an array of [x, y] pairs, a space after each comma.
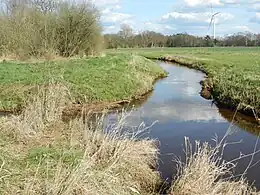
{"points": [[180, 111], [3, 113]]}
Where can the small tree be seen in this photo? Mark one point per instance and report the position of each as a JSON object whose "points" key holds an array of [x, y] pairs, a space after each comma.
{"points": [[126, 34], [208, 41]]}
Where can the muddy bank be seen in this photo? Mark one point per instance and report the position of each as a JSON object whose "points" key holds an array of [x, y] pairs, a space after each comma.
{"points": [[208, 91]]}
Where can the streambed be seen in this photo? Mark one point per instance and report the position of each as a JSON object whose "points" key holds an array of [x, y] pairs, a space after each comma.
{"points": [[179, 110]]}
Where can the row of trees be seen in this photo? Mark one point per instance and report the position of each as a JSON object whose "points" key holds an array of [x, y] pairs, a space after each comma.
{"points": [[49, 27], [126, 38]]}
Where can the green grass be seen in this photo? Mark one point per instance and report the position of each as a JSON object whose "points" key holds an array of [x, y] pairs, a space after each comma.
{"points": [[108, 78], [234, 72]]}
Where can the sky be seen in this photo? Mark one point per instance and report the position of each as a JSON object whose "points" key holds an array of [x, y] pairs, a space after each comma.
{"points": [[179, 16]]}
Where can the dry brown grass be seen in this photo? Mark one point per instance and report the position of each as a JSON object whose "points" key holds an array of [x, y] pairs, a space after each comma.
{"points": [[112, 164], [43, 110], [49, 156], [206, 173]]}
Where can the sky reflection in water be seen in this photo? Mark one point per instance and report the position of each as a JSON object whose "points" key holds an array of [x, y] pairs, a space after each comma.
{"points": [[179, 111]]}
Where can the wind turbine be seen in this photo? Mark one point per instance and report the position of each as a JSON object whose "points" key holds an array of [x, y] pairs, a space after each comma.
{"points": [[213, 21]]}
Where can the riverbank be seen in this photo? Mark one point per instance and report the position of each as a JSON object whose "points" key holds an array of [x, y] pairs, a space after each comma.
{"points": [[233, 76], [101, 81], [42, 154]]}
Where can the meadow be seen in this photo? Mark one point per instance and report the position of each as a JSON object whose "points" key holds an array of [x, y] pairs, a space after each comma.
{"points": [[233, 73], [100, 79]]}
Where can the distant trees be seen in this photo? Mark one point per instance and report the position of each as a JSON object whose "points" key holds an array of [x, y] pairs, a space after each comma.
{"points": [[184, 40], [48, 27], [125, 38], [153, 39], [242, 39]]}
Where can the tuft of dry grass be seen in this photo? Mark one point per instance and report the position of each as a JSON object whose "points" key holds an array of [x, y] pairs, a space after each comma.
{"points": [[206, 173], [49, 156], [43, 110], [111, 164]]}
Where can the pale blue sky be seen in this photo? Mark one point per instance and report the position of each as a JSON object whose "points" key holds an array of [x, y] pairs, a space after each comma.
{"points": [[176, 16]]}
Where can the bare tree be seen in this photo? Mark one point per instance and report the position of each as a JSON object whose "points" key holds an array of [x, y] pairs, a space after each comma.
{"points": [[44, 5], [126, 31]]}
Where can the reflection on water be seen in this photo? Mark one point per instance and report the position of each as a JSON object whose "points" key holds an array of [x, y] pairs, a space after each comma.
{"points": [[246, 123], [4, 113], [180, 111]]}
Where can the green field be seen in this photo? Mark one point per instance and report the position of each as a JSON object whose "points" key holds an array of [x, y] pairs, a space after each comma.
{"points": [[234, 73], [108, 78]]}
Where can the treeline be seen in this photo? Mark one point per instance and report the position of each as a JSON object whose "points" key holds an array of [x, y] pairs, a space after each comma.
{"points": [[43, 28], [125, 38]]}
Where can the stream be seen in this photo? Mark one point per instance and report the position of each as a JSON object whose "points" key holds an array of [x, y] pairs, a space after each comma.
{"points": [[180, 111]]}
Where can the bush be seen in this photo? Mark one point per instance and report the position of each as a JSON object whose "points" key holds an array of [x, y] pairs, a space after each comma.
{"points": [[48, 28]]}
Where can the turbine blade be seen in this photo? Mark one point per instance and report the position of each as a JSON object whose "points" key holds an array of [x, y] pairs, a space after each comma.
{"points": [[211, 20], [215, 14]]}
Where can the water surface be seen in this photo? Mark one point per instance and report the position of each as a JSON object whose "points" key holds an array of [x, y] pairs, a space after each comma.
{"points": [[3, 113], [180, 111]]}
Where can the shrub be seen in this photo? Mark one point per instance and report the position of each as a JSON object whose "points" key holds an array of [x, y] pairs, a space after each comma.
{"points": [[36, 28]]}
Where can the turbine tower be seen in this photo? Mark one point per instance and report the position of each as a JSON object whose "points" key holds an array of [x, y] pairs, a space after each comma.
{"points": [[213, 21]]}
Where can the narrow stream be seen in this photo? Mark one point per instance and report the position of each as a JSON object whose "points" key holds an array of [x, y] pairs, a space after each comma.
{"points": [[180, 111]]}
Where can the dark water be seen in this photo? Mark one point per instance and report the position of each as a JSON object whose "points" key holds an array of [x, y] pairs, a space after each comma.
{"points": [[3, 114], [180, 111]]}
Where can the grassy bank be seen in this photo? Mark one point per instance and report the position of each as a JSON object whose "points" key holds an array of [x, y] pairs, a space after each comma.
{"points": [[233, 72], [101, 79]]}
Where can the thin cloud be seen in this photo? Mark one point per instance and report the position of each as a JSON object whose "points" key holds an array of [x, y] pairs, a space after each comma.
{"points": [[194, 18]]}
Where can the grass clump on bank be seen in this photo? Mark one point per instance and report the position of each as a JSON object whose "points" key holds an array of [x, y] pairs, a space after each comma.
{"points": [[206, 172], [41, 154], [233, 72], [101, 79]]}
